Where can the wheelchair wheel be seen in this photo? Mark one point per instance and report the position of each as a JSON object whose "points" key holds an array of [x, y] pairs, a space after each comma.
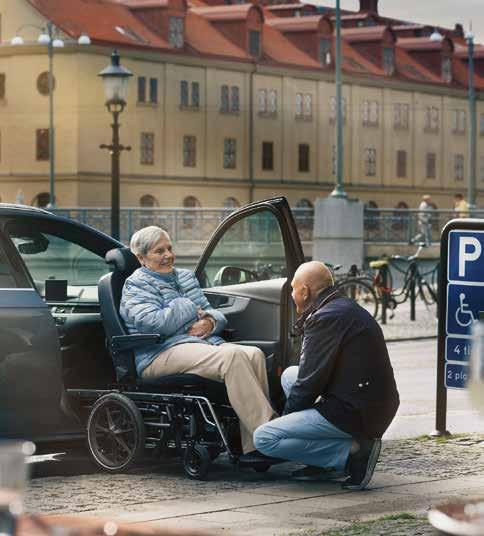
{"points": [[115, 432], [196, 462]]}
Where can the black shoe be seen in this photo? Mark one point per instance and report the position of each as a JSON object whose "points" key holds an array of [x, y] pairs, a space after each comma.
{"points": [[321, 474], [256, 457], [361, 465]]}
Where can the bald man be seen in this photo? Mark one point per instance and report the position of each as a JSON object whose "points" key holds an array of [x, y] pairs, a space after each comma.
{"points": [[342, 397]]}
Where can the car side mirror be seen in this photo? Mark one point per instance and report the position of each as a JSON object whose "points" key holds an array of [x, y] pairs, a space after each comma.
{"points": [[55, 290], [38, 244], [232, 275]]}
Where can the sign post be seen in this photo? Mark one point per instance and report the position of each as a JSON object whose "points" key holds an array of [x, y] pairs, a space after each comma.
{"points": [[461, 300]]}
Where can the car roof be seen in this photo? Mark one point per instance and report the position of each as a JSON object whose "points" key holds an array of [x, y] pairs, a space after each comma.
{"points": [[8, 208]]}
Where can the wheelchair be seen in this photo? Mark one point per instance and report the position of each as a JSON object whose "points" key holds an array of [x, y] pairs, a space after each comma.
{"points": [[181, 415]]}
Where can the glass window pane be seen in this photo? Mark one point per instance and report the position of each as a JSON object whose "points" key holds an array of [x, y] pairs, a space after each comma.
{"points": [[52, 257], [252, 249], [141, 89], [183, 93], [195, 94]]}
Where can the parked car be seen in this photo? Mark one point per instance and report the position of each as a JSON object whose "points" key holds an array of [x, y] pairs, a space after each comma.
{"points": [[51, 332]]}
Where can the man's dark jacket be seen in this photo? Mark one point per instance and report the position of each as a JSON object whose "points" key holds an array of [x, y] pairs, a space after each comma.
{"points": [[344, 360]]}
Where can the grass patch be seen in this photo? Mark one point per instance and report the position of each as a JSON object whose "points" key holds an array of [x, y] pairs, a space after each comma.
{"points": [[382, 525]]}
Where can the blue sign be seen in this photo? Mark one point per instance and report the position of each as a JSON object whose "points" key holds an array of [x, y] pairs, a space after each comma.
{"points": [[457, 349], [464, 302], [466, 256], [456, 375]]}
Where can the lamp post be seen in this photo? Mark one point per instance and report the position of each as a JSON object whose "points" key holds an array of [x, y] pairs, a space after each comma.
{"points": [[50, 36], [339, 189], [471, 184], [115, 79]]}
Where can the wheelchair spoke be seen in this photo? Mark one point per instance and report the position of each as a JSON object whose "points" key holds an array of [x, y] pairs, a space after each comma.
{"points": [[102, 429], [110, 418], [120, 441]]}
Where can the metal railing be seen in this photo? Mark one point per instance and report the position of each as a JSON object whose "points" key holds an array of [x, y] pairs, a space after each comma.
{"points": [[197, 224]]}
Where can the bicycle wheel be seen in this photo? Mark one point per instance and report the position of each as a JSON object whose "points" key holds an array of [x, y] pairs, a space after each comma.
{"points": [[360, 292], [427, 293]]}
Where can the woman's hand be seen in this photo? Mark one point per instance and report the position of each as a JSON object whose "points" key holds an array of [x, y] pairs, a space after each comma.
{"points": [[202, 328]]}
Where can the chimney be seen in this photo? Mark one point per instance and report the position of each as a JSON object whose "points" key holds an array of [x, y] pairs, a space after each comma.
{"points": [[369, 6]]}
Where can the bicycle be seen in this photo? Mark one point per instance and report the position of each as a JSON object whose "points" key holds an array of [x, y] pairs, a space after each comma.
{"points": [[415, 283], [354, 287]]}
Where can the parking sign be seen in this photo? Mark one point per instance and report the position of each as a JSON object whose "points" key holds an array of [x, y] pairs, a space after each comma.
{"points": [[465, 301]]}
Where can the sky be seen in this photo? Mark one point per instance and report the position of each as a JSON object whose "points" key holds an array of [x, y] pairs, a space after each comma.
{"points": [[439, 12]]}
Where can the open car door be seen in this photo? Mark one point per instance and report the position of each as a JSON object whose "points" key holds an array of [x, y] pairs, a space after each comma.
{"points": [[246, 271]]}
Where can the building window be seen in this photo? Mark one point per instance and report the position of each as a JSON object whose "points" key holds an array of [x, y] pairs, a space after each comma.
{"points": [[401, 164], [254, 43], [401, 114], [370, 114], [325, 52], [267, 155], [189, 151], [235, 99], [224, 98], [303, 157], [230, 153], [447, 69], [229, 99], [299, 104], [2, 86], [370, 162], [481, 124], [195, 95], [183, 93], [153, 90], [333, 109], [41, 200], [147, 148], [459, 167], [231, 202], [389, 61], [308, 106], [262, 101], [430, 166], [188, 99], [272, 101], [176, 32], [141, 89], [459, 120], [148, 201], [42, 144], [431, 121]]}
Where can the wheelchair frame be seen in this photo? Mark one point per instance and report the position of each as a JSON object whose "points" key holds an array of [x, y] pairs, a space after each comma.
{"points": [[124, 421]]}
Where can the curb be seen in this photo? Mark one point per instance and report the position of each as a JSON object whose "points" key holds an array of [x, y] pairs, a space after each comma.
{"points": [[407, 339]]}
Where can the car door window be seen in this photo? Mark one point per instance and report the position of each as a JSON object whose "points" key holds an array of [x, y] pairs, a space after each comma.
{"points": [[251, 249], [48, 256], [7, 279]]}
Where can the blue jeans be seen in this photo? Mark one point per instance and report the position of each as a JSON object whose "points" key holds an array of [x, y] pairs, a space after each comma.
{"points": [[304, 436]]}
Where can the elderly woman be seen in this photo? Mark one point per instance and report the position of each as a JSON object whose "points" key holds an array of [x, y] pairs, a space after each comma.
{"points": [[159, 298]]}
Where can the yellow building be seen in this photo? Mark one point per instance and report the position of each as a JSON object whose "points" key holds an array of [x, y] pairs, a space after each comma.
{"points": [[232, 103]]}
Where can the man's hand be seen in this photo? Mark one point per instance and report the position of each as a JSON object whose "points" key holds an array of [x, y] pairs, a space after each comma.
{"points": [[202, 328]]}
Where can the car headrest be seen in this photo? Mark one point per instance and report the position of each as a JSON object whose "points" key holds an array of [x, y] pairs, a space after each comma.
{"points": [[123, 260]]}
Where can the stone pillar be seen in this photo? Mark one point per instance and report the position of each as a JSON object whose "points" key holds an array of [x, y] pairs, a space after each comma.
{"points": [[338, 231]]}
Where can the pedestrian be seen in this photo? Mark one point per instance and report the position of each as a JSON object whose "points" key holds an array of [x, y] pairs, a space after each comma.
{"points": [[461, 207], [424, 222], [343, 396]]}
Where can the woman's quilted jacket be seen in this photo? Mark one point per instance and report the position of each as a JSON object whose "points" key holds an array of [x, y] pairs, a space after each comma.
{"points": [[150, 304]]}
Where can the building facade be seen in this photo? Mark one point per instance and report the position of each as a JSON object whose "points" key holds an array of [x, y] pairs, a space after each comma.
{"points": [[233, 103]]}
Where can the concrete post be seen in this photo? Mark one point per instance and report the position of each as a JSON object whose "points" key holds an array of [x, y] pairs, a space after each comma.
{"points": [[338, 231]]}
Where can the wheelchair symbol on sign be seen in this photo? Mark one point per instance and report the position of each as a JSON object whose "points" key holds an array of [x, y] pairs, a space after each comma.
{"points": [[464, 316]]}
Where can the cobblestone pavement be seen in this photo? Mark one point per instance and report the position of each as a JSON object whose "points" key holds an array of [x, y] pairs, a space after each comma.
{"points": [[422, 458]]}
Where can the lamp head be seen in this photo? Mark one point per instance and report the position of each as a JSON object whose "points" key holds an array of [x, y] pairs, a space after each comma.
{"points": [[17, 40], [44, 38], [58, 43], [436, 36], [115, 78], [84, 39]]}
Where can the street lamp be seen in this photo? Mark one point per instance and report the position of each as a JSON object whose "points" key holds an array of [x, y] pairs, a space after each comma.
{"points": [[471, 184], [50, 36], [115, 79], [339, 189]]}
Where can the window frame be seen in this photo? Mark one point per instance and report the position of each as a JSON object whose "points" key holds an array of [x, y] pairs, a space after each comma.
{"points": [[189, 151], [147, 148], [267, 156], [42, 149], [304, 162], [141, 96], [230, 153]]}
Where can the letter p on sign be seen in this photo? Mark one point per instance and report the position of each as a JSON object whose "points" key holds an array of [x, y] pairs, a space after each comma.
{"points": [[466, 254]]}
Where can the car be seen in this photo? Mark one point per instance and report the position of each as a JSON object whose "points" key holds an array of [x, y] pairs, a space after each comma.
{"points": [[51, 331]]}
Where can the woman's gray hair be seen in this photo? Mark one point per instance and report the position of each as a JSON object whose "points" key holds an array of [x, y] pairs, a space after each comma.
{"points": [[145, 239]]}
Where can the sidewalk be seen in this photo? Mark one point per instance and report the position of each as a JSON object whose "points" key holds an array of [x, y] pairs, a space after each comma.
{"points": [[400, 327], [412, 475]]}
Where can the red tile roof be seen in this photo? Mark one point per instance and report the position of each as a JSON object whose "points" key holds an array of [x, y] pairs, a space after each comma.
{"points": [[104, 22], [421, 43], [227, 13], [297, 24], [369, 33]]}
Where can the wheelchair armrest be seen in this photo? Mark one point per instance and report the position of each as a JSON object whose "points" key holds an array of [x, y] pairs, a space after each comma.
{"points": [[129, 342]]}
